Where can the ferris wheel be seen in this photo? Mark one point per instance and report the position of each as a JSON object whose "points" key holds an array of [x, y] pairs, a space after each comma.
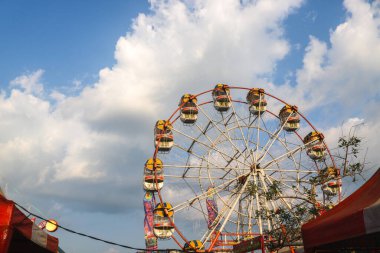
{"points": [[227, 164]]}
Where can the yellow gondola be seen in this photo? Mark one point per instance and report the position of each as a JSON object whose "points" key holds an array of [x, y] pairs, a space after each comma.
{"points": [[256, 101], [163, 136], [289, 118], [331, 188], [162, 226], [329, 173], [221, 97], [316, 149], [189, 110], [153, 175]]}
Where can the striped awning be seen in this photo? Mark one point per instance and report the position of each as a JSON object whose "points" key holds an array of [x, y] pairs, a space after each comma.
{"points": [[354, 223], [19, 234]]}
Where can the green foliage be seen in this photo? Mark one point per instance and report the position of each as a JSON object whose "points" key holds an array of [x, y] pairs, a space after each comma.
{"points": [[273, 190], [251, 188], [288, 226], [351, 147], [351, 143]]}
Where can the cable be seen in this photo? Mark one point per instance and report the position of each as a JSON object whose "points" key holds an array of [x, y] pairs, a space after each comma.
{"points": [[93, 237]]}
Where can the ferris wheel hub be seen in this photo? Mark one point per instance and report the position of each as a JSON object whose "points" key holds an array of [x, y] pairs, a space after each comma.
{"points": [[255, 167]]}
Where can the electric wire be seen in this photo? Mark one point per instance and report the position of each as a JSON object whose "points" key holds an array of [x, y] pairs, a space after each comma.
{"points": [[94, 237]]}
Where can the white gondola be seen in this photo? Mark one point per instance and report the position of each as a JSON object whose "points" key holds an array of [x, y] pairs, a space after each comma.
{"points": [[328, 173], [290, 118], [221, 97], [256, 101], [153, 175], [331, 188], [189, 110], [162, 221], [163, 136], [316, 149]]}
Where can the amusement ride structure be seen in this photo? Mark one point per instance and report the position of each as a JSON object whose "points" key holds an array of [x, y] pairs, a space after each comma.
{"points": [[230, 166]]}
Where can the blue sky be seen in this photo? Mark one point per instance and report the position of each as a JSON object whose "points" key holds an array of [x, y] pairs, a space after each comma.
{"points": [[51, 34], [75, 78], [73, 40]]}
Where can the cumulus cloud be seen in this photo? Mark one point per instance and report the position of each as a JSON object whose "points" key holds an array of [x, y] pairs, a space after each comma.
{"points": [[352, 60], [30, 83], [339, 81], [87, 150]]}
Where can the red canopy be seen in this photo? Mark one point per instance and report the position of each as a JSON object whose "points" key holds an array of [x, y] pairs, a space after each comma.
{"points": [[19, 234], [353, 223]]}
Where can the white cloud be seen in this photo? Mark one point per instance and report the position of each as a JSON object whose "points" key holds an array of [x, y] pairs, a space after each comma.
{"points": [[100, 138], [30, 83], [341, 81], [346, 76], [347, 72]]}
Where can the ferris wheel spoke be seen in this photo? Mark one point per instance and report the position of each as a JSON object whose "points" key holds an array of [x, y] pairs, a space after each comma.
{"points": [[227, 130], [258, 207], [289, 207], [232, 201], [206, 236], [241, 131], [250, 215], [284, 199], [213, 143], [236, 156], [204, 131], [194, 177], [282, 157], [249, 126], [216, 126], [197, 156], [287, 154], [224, 155], [265, 188], [272, 139], [287, 186], [173, 166], [199, 202], [257, 137], [286, 170], [203, 195], [297, 165], [233, 206]]}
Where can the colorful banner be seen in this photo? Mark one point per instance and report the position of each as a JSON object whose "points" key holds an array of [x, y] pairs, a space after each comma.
{"points": [[150, 238], [212, 208]]}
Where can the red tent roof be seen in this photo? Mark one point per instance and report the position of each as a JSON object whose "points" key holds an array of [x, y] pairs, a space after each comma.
{"points": [[358, 216], [19, 234]]}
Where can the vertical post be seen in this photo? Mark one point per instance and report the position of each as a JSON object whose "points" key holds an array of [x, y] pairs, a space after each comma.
{"points": [[262, 244]]}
